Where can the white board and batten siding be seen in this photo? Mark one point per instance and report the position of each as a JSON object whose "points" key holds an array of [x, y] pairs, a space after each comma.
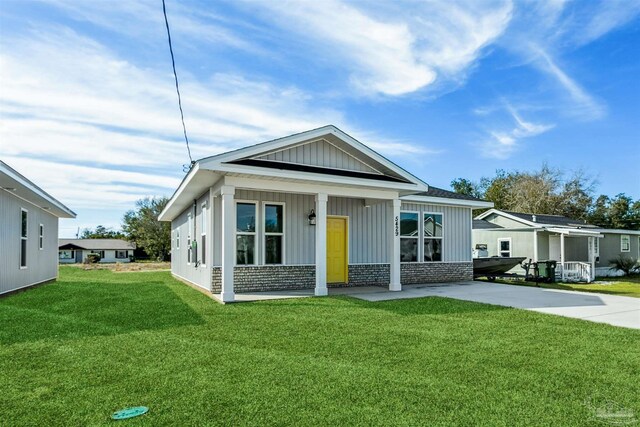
{"points": [[42, 265], [319, 153], [457, 245], [200, 274]]}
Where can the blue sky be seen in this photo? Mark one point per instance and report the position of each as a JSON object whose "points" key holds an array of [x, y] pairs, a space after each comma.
{"points": [[445, 89]]}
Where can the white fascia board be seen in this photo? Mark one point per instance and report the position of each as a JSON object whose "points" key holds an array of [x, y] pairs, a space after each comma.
{"points": [[194, 184], [308, 188], [483, 215], [281, 143], [313, 177], [574, 232], [617, 231], [30, 192], [446, 201]]}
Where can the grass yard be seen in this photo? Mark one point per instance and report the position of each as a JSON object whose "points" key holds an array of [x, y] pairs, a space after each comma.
{"points": [[624, 286], [73, 352]]}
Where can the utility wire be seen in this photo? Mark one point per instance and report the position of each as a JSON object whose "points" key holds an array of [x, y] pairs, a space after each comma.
{"points": [[175, 75]]}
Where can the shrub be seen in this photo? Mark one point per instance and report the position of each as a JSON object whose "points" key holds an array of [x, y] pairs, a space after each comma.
{"points": [[93, 258], [624, 263]]}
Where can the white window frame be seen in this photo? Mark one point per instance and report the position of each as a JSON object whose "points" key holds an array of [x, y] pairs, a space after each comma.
{"points": [[41, 237], [26, 239], [596, 246], [203, 233], [126, 254], [624, 237], [255, 233], [423, 237], [178, 238], [417, 236], [505, 239], [265, 233], [189, 230], [71, 251]]}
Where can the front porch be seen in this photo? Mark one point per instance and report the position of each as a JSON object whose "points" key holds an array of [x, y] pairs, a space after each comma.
{"points": [[575, 251]]}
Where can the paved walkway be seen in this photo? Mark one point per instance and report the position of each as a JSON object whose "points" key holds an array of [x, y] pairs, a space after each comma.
{"points": [[612, 309]]}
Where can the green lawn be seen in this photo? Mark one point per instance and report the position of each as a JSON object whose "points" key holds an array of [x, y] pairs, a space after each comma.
{"points": [[625, 286], [73, 352]]}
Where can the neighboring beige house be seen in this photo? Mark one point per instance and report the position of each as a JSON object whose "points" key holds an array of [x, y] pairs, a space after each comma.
{"points": [[583, 251], [110, 250], [28, 232], [310, 211]]}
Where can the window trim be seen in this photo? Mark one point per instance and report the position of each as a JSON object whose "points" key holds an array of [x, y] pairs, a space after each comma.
{"points": [[441, 238], [41, 237], [596, 246], [203, 233], [505, 239], [72, 253], [26, 239], [126, 254], [417, 236], [178, 238], [628, 238], [255, 233], [264, 232]]}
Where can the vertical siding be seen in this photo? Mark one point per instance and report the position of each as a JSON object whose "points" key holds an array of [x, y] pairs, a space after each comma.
{"points": [[457, 241], [319, 153], [41, 264], [610, 248], [199, 275], [369, 228]]}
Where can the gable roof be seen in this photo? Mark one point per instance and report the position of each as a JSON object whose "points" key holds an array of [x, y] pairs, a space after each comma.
{"points": [[537, 220], [481, 224], [438, 195], [260, 161], [14, 183], [97, 244]]}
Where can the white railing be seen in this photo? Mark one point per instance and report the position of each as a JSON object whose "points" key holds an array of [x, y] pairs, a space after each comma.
{"points": [[574, 271]]}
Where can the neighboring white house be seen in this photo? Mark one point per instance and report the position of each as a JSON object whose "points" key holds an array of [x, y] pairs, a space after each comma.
{"points": [[110, 250], [313, 210], [28, 232], [583, 251]]}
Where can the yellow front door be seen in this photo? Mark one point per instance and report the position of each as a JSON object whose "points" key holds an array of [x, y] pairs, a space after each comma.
{"points": [[337, 250]]}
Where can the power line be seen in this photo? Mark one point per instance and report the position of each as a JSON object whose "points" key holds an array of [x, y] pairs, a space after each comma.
{"points": [[175, 75]]}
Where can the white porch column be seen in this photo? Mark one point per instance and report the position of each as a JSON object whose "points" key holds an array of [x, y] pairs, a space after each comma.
{"points": [[535, 245], [592, 257], [321, 244], [228, 245], [394, 284], [562, 254]]}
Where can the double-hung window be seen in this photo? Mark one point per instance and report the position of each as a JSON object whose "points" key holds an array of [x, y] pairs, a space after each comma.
{"points": [[245, 233], [504, 247], [625, 243], [432, 234], [273, 233], [409, 236], [24, 227], [122, 254], [41, 237], [189, 231], [203, 234]]}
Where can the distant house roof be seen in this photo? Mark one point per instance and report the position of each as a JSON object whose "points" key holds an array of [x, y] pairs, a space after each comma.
{"points": [[551, 219], [96, 244], [481, 224], [14, 183], [439, 192]]}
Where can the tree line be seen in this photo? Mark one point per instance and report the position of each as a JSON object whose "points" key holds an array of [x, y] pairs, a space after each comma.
{"points": [[140, 226], [550, 191]]}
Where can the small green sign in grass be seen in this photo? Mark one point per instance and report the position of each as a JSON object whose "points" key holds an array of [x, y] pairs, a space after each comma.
{"points": [[129, 413]]}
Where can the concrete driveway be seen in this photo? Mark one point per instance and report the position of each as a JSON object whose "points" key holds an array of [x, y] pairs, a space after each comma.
{"points": [[602, 308]]}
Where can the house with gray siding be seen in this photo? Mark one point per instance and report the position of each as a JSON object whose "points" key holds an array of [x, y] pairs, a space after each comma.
{"points": [[72, 251], [311, 211], [28, 232], [583, 251]]}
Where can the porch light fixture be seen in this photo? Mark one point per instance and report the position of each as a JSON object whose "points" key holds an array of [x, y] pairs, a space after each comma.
{"points": [[312, 217]]}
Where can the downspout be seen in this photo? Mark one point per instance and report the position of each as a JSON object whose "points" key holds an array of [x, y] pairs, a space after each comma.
{"points": [[194, 241]]}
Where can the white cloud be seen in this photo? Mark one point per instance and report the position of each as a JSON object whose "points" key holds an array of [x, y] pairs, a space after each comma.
{"points": [[398, 48], [501, 144]]}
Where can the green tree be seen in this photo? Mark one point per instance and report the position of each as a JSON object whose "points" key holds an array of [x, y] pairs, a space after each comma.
{"points": [[599, 212], [466, 187], [142, 227], [101, 232]]}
